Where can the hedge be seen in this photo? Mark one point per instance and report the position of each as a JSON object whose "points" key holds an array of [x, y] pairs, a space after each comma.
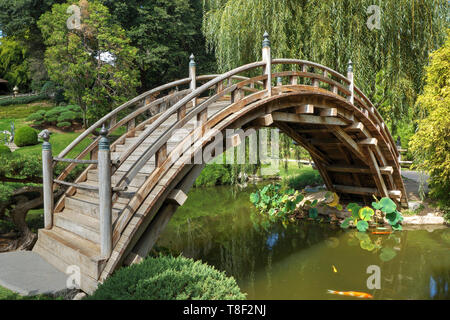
{"points": [[306, 178], [23, 100], [168, 278], [25, 136]]}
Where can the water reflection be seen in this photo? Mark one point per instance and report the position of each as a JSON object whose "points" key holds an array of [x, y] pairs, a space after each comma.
{"points": [[216, 226]]}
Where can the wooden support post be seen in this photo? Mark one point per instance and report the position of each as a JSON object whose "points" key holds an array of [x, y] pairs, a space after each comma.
{"points": [[47, 179], [181, 113], [131, 124], [161, 155], [329, 112], [113, 121], [266, 57], [293, 80], [105, 194], [202, 117], [237, 95], [193, 83], [264, 121], [351, 85], [379, 181]]}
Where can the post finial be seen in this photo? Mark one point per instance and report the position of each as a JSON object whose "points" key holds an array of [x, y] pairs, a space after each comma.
{"points": [[266, 41], [45, 135], [350, 66], [191, 60], [103, 130]]}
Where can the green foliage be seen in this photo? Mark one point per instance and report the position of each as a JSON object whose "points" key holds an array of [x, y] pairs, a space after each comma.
{"points": [[150, 25], [25, 136], [332, 32], [275, 203], [214, 174], [431, 143], [23, 100], [62, 116], [72, 58], [4, 149], [168, 278], [362, 216], [14, 63], [311, 178]]}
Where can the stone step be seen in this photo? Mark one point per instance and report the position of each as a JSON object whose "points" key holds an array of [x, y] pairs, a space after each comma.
{"points": [[83, 225], [72, 250]]}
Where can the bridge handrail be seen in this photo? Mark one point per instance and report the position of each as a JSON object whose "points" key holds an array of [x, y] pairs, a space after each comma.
{"points": [[153, 148]]}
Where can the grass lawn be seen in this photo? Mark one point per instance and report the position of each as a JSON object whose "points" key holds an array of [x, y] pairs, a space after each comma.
{"points": [[6, 294]]}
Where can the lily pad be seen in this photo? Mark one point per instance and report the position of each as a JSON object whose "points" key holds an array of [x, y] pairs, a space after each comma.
{"points": [[362, 225], [387, 254], [366, 213], [387, 205]]}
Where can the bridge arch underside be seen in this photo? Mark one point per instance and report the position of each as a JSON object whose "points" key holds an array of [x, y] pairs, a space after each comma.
{"points": [[349, 150]]}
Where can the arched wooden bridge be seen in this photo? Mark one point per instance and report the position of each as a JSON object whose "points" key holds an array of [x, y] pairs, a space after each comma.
{"points": [[145, 174]]}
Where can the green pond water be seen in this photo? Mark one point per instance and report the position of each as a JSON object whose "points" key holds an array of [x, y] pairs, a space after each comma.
{"points": [[218, 226]]}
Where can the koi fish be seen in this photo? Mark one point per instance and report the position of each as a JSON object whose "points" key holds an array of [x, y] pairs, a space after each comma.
{"points": [[381, 232], [356, 294], [334, 269]]}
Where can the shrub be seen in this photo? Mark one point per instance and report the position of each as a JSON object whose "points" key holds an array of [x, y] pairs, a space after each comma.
{"points": [[62, 116], [214, 174], [23, 100], [306, 178], [168, 278], [25, 136], [4, 149]]}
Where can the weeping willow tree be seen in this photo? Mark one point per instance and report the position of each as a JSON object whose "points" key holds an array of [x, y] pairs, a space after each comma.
{"points": [[332, 32]]}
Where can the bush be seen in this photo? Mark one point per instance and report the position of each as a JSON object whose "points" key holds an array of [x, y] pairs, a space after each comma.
{"points": [[23, 100], [62, 116], [214, 174], [4, 150], [306, 178], [169, 278], [25, 136]]}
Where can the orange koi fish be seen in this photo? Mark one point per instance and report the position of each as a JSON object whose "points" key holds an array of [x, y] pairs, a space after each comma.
{"points": [[381, 232], [356, 294]]}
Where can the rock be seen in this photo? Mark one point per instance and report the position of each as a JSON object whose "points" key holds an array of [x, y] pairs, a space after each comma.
{"points": [[79, 296], [428, 219], [413, 205]]}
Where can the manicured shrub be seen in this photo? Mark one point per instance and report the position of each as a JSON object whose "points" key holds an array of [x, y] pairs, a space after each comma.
{"points": [[306, 178], [62, 116], [168, 278], [25, 136], [4, 149], [23, 100]]}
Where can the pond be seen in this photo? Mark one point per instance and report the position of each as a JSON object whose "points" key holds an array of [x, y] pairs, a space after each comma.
{"points": [[304, 260]]}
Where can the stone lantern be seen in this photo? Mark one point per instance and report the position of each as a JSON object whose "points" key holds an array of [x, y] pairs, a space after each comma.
{"points": [[15, 90]]}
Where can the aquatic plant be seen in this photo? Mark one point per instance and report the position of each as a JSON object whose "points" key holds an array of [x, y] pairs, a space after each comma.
{"points": [[361, 216]]}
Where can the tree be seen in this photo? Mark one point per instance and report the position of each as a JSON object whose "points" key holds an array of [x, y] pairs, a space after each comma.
{"points": [[431, 143], [14, 63], [165, 32], [18, 21], [95, 63], [331, 33]]}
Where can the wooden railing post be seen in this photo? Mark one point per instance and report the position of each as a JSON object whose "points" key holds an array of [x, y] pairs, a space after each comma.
{"points": [[350, 78], [47, 180], [105, 194], [266, 57], [193, 84]]}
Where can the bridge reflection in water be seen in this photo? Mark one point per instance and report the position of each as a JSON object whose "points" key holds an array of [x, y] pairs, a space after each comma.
{"points": [[296, 262]]}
